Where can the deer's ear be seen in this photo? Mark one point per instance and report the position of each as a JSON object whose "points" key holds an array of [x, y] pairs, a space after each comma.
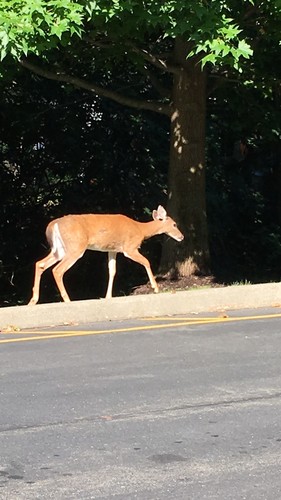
{"points": [[160, 213]]}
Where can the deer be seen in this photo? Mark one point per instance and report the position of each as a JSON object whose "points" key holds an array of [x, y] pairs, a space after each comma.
{"points": [[71, 235]]}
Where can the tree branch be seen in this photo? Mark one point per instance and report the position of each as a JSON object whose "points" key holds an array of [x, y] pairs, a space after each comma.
{"points": [[58, 75], [159, 61], [156, 60], [155, 82]]}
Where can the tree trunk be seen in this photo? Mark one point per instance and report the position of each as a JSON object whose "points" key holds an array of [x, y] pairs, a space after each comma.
{"points": [[186, 188]]}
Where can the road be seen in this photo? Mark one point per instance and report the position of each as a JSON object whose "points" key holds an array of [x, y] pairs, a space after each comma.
{"points": [[171, 408]]}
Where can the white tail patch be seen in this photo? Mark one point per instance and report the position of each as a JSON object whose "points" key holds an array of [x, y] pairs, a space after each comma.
{"points": [[57, 243]]}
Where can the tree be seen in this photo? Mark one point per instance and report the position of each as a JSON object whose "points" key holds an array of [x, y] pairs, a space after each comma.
{"points": [[171, 44]]}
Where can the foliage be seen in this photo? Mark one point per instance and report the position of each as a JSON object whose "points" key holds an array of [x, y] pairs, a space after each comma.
{"points": [[34, 26], [243, 185], [213, 28]]}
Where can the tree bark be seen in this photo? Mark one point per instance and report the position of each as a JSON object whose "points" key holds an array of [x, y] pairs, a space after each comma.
{"points": [[186, 187]]}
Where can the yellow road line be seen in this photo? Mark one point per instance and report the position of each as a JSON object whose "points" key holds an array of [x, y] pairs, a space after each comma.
{"points": [[189, 318], [213, 318], [52, 333], [44, 335]]}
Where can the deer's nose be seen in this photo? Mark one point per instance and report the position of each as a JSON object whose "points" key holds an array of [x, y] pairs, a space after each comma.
{"points": [[181, 237]]}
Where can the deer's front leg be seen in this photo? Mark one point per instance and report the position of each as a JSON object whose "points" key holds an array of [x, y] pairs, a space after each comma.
{"points": [[138, 257], [112, 272]]}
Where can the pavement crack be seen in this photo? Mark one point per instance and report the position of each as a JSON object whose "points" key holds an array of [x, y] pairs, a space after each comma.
{"points": [[145, 413]]}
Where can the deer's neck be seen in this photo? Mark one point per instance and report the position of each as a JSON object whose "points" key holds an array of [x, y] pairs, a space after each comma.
{"points": [[151, 228]]}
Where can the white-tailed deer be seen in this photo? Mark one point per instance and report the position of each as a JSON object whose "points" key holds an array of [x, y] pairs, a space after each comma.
{"points": [[71, 235]]}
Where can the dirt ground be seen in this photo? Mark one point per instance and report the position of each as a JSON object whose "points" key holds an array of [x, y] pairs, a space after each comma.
{"points": [[183, 283]]}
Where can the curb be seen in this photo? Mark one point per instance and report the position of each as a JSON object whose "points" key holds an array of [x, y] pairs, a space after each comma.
{"points": [[141, 306]]}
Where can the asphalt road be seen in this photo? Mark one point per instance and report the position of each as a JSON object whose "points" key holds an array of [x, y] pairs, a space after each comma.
{"points": [[152, 409]]}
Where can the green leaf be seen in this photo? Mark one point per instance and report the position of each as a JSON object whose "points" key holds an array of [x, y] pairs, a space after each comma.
{"points": [[244, 49], [3, 53]]}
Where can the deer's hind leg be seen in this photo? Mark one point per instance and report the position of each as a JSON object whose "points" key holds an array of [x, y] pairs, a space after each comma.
{"points": [[58, 272], [41, 266]]}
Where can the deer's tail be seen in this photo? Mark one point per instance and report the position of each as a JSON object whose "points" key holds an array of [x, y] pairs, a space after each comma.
{"points": [[55, 240]]}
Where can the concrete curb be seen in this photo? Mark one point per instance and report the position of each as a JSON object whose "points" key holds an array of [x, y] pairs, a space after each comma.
{"points": [[140, 306]]}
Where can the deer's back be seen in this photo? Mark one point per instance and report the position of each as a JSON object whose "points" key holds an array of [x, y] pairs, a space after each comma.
{"points": [[110, 232]]}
